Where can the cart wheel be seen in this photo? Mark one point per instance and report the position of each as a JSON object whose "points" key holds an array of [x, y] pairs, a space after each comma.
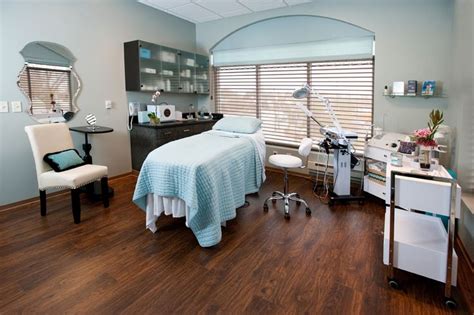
{"points": [[393, 284], [308, 211], [287, 216], [450, 303], [265, 208]]}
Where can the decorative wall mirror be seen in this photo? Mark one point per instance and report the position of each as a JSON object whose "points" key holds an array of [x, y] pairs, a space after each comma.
{"points": [[49, 82]]}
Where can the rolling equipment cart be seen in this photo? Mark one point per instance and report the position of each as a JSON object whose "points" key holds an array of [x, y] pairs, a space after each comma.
{"points": [[417, 242]]}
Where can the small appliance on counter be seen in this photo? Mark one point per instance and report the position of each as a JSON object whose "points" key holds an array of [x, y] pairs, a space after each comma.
{"points": [[179, 115], [143, 117], [163, 112]]}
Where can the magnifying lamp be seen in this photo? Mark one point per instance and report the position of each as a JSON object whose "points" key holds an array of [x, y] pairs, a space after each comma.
{"points": [[306, 91]]}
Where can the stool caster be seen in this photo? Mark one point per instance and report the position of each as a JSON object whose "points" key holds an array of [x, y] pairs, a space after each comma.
{"points": [[308, 211], [265, 208], [450, 303], [393, 284], [287, 216]]}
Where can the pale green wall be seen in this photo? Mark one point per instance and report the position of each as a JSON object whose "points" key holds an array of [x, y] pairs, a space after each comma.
{"points": [[413, 41], [94, 31]]}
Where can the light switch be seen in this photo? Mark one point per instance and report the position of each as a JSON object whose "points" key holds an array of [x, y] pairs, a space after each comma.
{"points": [[16, 106], [108, 104], [3, 107]]}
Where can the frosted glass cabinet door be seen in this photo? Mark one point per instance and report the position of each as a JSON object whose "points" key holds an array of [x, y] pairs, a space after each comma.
{"points": [[201, 85], [150, 67], [170, 69], [187, 71]]}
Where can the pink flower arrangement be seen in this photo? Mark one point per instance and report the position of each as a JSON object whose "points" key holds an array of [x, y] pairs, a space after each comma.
{"points": [[426, 136]]}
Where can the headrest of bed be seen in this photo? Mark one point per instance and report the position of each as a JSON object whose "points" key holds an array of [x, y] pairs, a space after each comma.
{"points": [[238, 124]]}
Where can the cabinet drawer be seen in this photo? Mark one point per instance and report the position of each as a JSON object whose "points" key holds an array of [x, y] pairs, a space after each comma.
{"points": [[167, 133], [203, 127], [185, 131], [374, 188], [377, 154]]}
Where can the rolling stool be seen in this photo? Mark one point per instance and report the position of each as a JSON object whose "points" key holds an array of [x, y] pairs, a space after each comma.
{"points": [[286, 161]]}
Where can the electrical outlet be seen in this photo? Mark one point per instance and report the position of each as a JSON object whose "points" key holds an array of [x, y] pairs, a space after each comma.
{"points": [[3, 107], [16, 106], [108, 104]]}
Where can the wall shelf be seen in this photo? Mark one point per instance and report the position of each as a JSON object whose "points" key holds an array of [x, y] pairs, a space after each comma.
{"points": [[416, 96]]}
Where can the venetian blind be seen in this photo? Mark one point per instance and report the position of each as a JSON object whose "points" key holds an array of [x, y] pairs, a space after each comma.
{"points": [[283, 122], [265, 91], [44, 85], [237, 90], [349, 87]]}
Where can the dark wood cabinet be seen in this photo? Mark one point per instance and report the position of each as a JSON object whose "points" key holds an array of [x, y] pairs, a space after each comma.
{"points": [[144, 138]]}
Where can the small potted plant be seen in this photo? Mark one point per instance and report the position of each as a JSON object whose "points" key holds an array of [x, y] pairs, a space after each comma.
{"points": [[425, 138], [154, 120]]}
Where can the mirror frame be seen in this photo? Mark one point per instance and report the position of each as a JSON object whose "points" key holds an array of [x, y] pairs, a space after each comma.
{"points": [[66, 55]]}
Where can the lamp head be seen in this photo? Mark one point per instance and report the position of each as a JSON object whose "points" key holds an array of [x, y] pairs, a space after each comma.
{"points": [[302, 92]]}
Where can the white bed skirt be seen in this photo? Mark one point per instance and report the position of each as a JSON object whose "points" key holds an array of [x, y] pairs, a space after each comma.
{"points": [[156, 205]]}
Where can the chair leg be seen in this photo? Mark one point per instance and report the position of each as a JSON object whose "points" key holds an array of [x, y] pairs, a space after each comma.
{"points": [[42, 202], [76, 205], [104, 184]]}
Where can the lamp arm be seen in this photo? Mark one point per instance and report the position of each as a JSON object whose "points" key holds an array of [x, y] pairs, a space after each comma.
{"points": [[329, 109], [308, 113], [314, 119], [335, 121]]}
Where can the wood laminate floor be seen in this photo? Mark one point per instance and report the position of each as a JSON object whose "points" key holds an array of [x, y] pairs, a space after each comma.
{"points": [[329, 263]]}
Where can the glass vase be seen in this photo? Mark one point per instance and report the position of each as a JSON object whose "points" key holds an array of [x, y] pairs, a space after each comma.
{"points": [[425, 156]]}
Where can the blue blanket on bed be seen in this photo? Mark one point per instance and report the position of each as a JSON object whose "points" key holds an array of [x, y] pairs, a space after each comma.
{"points": [[212, 173]]}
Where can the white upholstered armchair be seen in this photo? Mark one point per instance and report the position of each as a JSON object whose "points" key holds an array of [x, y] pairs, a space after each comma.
{"points": [[50, 138]]}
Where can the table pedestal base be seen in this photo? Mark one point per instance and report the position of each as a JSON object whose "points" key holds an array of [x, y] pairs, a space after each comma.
{"points": [[94, 191]]}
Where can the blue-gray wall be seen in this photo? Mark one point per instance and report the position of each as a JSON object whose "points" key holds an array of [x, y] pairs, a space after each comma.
{"points": [[413, 41], [94, 31]]}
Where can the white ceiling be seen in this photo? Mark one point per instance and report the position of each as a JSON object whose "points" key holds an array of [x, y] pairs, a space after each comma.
{"points": [[198, 11]]}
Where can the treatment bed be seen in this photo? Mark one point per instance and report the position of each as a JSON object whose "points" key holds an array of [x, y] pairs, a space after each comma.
{"points": [[203, 178]]}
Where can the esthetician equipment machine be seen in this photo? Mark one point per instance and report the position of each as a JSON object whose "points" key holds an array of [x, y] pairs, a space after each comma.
{"points": [[336, 140]]}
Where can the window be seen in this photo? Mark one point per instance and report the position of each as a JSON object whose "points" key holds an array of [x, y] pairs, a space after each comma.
{"points": [[46, 85], [265, 91]]}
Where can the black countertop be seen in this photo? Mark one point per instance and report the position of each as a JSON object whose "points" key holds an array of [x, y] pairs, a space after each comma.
{"points": [[175, 123]]}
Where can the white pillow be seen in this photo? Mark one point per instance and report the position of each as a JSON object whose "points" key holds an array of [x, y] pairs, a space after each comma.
{"points": [[238, 124]]}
